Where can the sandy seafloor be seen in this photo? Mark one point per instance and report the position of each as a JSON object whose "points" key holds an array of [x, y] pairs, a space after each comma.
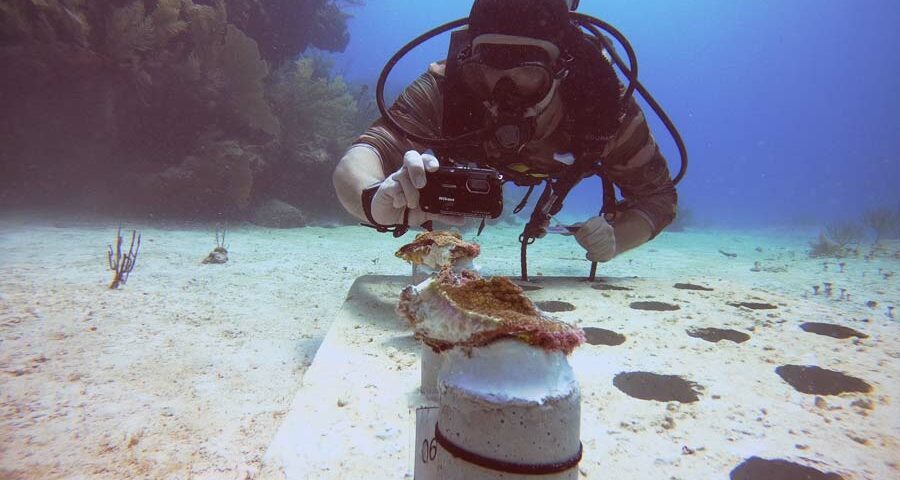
{"points": [[187, 371]]}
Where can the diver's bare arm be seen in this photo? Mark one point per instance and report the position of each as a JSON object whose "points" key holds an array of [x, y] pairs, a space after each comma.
{"points": [[631, 230], [359, 168]]}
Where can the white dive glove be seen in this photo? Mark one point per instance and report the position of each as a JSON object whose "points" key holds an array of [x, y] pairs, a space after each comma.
{"points": [[400, 190], [598, 238]]}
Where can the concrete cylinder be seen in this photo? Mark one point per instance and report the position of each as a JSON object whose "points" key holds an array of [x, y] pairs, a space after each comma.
{"points": [[506, 407], [431, 365]]}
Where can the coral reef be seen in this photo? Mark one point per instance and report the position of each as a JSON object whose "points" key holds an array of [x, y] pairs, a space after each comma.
{"points": [[844, 233], [219, 255], [884, 222], [437, 250], [277, 214], [126, 99], [315, 110], [463, 309], [218, 177], [319, 115], [121, 263], [836, 240], [284, 28], [245, 72], [823, 247]]}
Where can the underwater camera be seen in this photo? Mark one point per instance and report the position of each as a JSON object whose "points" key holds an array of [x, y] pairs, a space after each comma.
{"points": [[465, 191]]}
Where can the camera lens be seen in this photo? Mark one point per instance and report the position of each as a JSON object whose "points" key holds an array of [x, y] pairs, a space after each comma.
{"points": [[478, 185]]}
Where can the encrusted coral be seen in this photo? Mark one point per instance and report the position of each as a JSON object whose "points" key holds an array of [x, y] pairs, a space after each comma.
{"points": [[463, 309], [438, 249], [884, 222], [103, 90], [314, 109], [318, 114], [245, 72], [836, 240], [284, 28], [217, 177]]}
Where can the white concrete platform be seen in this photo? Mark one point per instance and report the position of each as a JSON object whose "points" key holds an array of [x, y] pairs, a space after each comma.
{"points": [[353, 416]]}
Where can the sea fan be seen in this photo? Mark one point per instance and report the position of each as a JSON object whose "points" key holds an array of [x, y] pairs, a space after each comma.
{"points": [[128, 33], [167, 20], [245, 72]]}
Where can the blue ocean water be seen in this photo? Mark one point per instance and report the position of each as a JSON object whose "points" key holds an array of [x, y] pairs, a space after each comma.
{"points": [[290, 360], [788, 109]]}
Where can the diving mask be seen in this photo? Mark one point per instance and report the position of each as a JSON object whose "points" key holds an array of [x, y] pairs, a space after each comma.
{"points": [[524, 68]]}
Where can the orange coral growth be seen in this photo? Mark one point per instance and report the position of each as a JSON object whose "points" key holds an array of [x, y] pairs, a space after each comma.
{"points": [[425, 244], [467, 310], [497, 295]]}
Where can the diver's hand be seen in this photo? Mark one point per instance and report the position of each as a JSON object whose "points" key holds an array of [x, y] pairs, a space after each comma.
{"points": [[598, 238], [400, 190]]}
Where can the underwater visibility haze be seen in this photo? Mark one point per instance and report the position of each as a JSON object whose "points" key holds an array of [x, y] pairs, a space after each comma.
{"points": [[787, 108], [183, 293]]}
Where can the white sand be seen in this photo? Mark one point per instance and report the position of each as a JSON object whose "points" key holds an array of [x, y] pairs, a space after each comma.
{"points": [[189, 369]]}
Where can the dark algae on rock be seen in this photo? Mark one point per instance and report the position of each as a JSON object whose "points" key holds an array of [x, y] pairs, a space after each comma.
{"points": [[755, 468], [602, 336], [716, 334], [819, 381], [554, 306], [652, 386], [831, 330], [609, 287], [654, 306], [691, 286], [753, 305]]}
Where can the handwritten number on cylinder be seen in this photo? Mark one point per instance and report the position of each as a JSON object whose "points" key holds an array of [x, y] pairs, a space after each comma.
{"points": [[429, 450]]}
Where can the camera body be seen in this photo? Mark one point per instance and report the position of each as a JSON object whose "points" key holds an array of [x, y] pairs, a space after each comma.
{"points": [[465, 191]]}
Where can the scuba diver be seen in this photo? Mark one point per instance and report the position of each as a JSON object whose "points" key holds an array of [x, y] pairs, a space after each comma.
{"points": [[525, 93]]}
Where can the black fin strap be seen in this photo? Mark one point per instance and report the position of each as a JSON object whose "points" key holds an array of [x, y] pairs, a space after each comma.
{"points": [[524, 200], [397, 229], [480, 227], [503, 465]]}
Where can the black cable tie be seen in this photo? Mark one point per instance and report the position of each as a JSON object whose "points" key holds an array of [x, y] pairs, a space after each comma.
{"points": [[503, 465]]}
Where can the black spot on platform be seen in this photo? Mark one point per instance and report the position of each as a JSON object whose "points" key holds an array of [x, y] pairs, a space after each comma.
{"points": [[755, 468], [602, 336], [819, 381], [654, 306], [753, 305], [555, 306], [831, 330], [716, 334], [662, 388], [607, 286], [691, 286]]}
